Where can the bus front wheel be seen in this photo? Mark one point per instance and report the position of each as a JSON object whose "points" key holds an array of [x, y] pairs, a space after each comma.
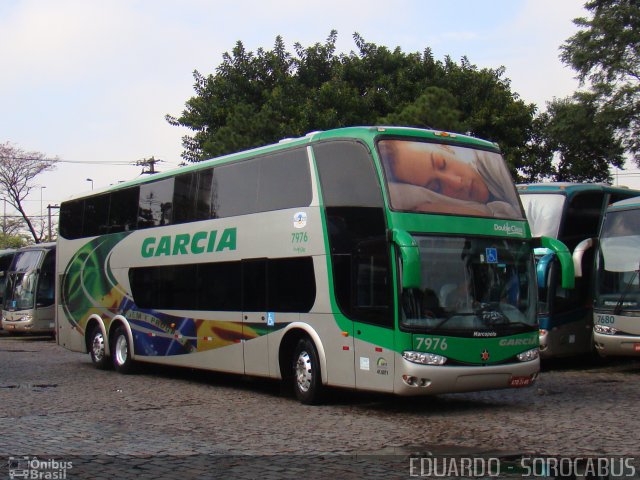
{"points": [[121, 351], [307, 379], [98, 349]]}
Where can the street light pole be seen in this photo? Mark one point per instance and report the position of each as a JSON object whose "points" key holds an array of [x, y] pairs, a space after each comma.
{"points": [[41, 213]]}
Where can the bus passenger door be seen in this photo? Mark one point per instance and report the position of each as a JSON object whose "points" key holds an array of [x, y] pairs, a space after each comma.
{"points": [[254, 317], [44, 313], [372, 302]]}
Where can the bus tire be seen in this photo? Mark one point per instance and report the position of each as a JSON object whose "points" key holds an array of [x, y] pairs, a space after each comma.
{"points": [[121, 351], [307, 378], [98, 349]]}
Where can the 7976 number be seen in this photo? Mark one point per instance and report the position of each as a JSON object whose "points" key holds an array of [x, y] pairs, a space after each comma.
{"points": [[432, 343]]}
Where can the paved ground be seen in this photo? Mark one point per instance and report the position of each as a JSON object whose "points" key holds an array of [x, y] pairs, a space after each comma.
{"points": [[176, 423]]}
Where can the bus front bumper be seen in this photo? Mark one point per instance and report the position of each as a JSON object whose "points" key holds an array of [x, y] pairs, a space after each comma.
{"points": [[626, 345], [22, 322], [415, 379]]}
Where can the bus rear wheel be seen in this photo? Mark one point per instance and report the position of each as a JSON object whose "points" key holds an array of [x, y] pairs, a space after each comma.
{"points": [[307, 379], [98, 350], [121, 351]]}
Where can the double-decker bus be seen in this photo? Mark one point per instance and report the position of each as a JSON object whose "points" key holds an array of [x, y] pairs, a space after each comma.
{"points": [[572, 214], [616, 309], [373, 258], [28, 303]]}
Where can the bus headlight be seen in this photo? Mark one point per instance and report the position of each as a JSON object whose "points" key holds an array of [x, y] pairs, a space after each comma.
{"points": [[424, 358], [528, 355], [605, 329]]}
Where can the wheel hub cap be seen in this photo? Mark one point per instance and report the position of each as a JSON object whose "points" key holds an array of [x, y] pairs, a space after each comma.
{"points": [[98, 347], [303, 371]]}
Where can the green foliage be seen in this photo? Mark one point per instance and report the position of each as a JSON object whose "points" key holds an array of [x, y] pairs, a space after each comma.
{"points": [[575, 142], [11, 241], [606, 52], [436, 106], [257, 98]]}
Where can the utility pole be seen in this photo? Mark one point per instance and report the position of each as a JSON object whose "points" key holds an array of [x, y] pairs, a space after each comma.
{"points": [[49, 207], [149, 163]]}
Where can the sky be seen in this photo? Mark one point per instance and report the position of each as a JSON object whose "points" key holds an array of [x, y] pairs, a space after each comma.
{"points": [[90, 81]]}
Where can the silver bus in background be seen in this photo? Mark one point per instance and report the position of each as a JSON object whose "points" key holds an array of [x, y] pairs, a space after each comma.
{"points": [[616, 309], [6, 257], [29, 291]]}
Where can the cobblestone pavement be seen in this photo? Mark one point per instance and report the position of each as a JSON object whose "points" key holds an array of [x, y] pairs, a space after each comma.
{"points": [[181, 423]]}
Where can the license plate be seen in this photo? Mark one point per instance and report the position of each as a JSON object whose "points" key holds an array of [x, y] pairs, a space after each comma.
{"points": [[519, 382]]}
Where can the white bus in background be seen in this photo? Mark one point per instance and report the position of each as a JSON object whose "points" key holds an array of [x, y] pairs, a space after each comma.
{"points": [[29, 290], [616, 329]]}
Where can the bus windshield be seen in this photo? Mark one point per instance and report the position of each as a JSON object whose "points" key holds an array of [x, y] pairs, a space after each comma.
{"points": [[472, 285], [544, 213], [21, 282], [437, 178], [617, 284]]}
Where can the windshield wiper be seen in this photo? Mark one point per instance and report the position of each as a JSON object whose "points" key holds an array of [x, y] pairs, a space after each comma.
{"points": [[627, 288], [491, 314], [452, 315]]}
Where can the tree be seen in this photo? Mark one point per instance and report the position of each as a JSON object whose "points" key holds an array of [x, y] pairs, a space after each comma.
{"points": [[18, 169], [12, 225], [436, 106], [11, 241], [257, 98], [574, 142], [606, 51]]}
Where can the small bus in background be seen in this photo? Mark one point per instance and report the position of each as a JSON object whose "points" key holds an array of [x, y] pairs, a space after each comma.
{"points": [[616, 308], [29, 290], [572, 214], [6, 257]]}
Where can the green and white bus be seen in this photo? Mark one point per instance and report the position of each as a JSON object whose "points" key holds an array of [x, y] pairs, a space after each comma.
{"points": [[616, 309], [373, 258]]}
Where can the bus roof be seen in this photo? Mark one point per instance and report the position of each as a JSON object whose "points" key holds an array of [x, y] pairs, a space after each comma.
{"points": [[567, 188], [362, 133], [624, 204], [37, 246]]}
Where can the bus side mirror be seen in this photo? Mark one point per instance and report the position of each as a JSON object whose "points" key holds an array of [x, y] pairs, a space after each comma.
{"points": [[410, 256], [564, 257], [579, 252], [542, 268]]}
